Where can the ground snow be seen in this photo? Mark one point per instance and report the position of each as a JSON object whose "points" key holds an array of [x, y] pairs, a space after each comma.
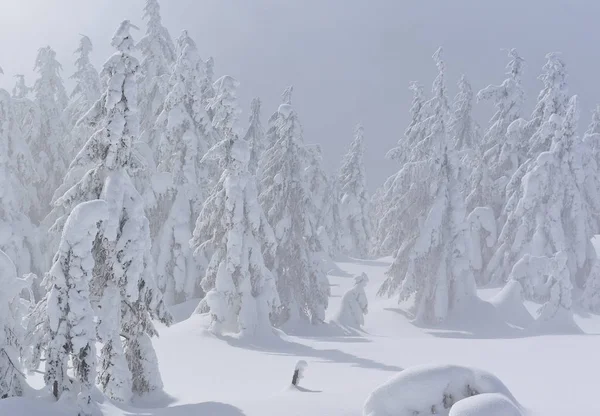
{"points": [[550, 375], [489, 404]]}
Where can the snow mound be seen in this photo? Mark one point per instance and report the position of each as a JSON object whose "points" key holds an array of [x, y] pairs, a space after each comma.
{"points": [[561, 323], [509, 304], [431, 389], [489, 404]]}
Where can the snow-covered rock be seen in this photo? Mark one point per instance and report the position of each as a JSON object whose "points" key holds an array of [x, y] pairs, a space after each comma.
{"points": [[489, 404], [431, 390]]}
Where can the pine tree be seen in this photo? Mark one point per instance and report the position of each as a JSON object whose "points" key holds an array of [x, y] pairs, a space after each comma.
{"points": [[224, 107], [50, 145], [553, 213], [387, 236], [462, 128], [325, 197], [230, 237], [255, 136], [12, 334], [70, 318], [18, 198], [87, 83], [86, 92], [187, 135], [286, 200], [20, 90], [355, 201], [158, 56], [553, 99], [433, 262], [123, 283], [206, 86]]}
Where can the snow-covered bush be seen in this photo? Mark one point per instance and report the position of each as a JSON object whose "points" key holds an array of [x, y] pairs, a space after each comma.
{"points": [[354, 304], [432, 390]]}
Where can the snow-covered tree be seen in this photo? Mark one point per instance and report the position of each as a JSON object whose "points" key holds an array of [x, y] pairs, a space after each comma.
{"points": [[18, 198], [355, 201], [124, 284], [271, 135], [387, 235], [158, 56], [87, 84], [553, 99], [224, 106], [255, 136], [462, 128], [72, 332], [354, 304], [20, 90], [12, 381], [230, 237], [206, 86], [433, 262], [554, 212], [286, 200], [187, 135], [325, 197], [547, 280], [50, 146], [508, 99]]}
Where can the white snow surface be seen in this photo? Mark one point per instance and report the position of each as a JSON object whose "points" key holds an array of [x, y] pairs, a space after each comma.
{"points": [[549, 375]]}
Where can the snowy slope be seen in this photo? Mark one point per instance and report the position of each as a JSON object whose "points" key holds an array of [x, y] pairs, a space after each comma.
{"points": [[203, 375]]}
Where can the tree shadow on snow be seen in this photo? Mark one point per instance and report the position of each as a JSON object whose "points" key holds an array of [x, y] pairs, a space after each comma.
{"points": [[206, 408], [283, 346]]}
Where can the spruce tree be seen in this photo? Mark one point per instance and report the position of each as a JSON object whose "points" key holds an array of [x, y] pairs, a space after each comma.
{"points": [[123, 284], [433, 262], [354, 200], [287, 202]]}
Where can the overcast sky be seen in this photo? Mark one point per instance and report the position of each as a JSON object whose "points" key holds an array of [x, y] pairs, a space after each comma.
{"points": [[349, 60]]}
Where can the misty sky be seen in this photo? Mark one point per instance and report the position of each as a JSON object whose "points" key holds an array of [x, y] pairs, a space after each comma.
{"points": [[349, 60]]}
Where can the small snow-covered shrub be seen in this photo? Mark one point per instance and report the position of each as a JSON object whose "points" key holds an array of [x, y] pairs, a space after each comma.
{"points": [[354, 304], [431, 390]]}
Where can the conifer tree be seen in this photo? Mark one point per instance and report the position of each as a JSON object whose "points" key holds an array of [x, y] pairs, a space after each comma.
{"points": [[18, 197], [158, 56], [50, 145], [355, 201], [123, 282], [231, 236], [12, 333], [286, 200], [255, 136], [70, 317], [187, 135], [433, 262], [554, 212]]}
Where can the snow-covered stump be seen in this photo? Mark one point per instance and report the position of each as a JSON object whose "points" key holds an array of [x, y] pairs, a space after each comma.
{"points": [[433, 390], [355, 304]]}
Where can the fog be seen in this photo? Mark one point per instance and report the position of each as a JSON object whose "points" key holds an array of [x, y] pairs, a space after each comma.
{"points": [[349, 60]]}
